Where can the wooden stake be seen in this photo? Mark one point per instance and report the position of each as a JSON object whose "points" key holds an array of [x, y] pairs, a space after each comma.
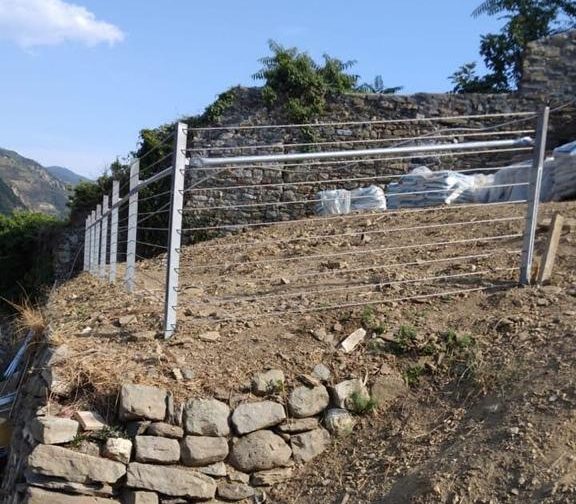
{"points": [[554, 233]]}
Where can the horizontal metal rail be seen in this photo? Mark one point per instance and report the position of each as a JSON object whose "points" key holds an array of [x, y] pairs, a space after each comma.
{"points": [[305, 156]]}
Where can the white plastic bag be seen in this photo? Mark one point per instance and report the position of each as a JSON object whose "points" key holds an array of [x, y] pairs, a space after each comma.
{"points": [[333, 202]]}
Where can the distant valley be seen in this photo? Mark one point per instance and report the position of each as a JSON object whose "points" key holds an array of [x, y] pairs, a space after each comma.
{"points": [[26, 184]]}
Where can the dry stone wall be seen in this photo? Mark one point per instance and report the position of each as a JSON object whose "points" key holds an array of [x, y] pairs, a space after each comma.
{"points": [[228, 448]]}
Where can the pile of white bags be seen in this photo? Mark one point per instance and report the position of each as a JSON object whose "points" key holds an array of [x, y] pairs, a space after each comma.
{"points": [[342, 201], [564, 183]]}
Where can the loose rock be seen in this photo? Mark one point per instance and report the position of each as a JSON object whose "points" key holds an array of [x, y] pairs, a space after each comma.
{"points": [[118, 449], [142, 401], [269, 382], [157, 450], [306, 402], [352, 341], [250, 417], [322, 372], [297, 425], [345, 392], [90, 421], [387, 388], [234, 491], [271, 476], [171, 481], [309, 445], [206, 417], [339, 422], [259, 451], [53, 430], [217, 469], [165, 430], [203, 450], [73, 466]]}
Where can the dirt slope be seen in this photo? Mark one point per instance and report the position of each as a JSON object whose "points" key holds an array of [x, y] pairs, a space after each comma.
{"points": [[489, 416]]}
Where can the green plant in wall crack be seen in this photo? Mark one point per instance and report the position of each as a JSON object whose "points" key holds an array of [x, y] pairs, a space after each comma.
{"points": [[300, 85]]}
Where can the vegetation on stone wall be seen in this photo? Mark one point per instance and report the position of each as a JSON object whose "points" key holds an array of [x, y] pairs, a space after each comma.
{"points": [[503, 52], [26, 248]]}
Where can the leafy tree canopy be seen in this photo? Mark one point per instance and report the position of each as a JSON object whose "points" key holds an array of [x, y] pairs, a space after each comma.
{"points": [[503, 52]]}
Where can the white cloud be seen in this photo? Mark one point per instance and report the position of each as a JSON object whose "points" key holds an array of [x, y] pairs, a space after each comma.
{"points": [[32, 23]]}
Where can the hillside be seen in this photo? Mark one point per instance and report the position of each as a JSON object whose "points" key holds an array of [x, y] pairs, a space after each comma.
{"points": [[8, 200], [31, 184], [486, 410], [65, 175]]}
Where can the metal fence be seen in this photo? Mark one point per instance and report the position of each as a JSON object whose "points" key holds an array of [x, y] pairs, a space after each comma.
{"points": [[305, 262]]}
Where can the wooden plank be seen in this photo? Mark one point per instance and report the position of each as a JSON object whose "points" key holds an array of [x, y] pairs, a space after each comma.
{"points": [[554, 233]]}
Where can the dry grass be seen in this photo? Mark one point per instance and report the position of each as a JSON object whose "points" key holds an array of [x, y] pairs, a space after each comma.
{"points": [[28, 318]]}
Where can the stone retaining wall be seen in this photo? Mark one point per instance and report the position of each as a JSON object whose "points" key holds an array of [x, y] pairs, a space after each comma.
{"points": [[229, 448]]}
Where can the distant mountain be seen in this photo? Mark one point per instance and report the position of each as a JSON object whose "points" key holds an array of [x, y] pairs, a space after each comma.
{"points": [[31, 186], [8, 200], [65, 175]]}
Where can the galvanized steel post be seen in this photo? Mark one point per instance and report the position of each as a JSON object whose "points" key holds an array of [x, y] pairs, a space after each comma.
{"points": [[93, 243], [87, 244], [534, 198], [175, 230], [104, 239], [114, 231], [98, 238], [132, 226]]}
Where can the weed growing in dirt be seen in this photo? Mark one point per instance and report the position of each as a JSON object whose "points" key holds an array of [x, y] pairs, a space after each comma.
{"points": [[275, 387], [370, 320], [362, 405], [404, 339], [413, 374]]}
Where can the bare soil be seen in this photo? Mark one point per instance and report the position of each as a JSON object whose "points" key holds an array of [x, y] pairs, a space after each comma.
{"points": [[494, 423]]}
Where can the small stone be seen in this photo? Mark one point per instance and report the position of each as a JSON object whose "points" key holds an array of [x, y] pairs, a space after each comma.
{"points": [[209, 336], [139, 497], [127, 320], [203, 450], [171, 481], [297, 425], [339, 422], [307, 402], [218, 469], [165, 430], [271, 476], [259, 451], [142, 401], [345, 392], [322, 372], [268, 382], [118, 449], [177, 374], [239, 476], [309, 445], [187, 374], [352, 341], [90, 420], [250, 417], [514, 431], [51, 430], [206, 417], [234, 491], [156, 450]]}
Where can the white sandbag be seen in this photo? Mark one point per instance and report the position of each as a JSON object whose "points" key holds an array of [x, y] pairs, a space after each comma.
{"points": [[564, 186], [367, 199], [333, 202], [423, 187]]}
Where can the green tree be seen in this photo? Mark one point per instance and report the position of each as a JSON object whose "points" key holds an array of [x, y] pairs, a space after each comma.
{"points": [[378, 86], [295, 81], [503, 52]]}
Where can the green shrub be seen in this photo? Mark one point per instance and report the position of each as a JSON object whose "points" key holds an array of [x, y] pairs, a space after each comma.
{"points": [[26, 244]]}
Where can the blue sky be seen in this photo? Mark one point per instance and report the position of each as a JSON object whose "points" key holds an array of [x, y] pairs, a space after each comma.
{"points": [[80, 78]]}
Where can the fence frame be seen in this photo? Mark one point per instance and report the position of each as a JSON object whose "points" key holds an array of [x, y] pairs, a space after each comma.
{"points": [[95, 259]]}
